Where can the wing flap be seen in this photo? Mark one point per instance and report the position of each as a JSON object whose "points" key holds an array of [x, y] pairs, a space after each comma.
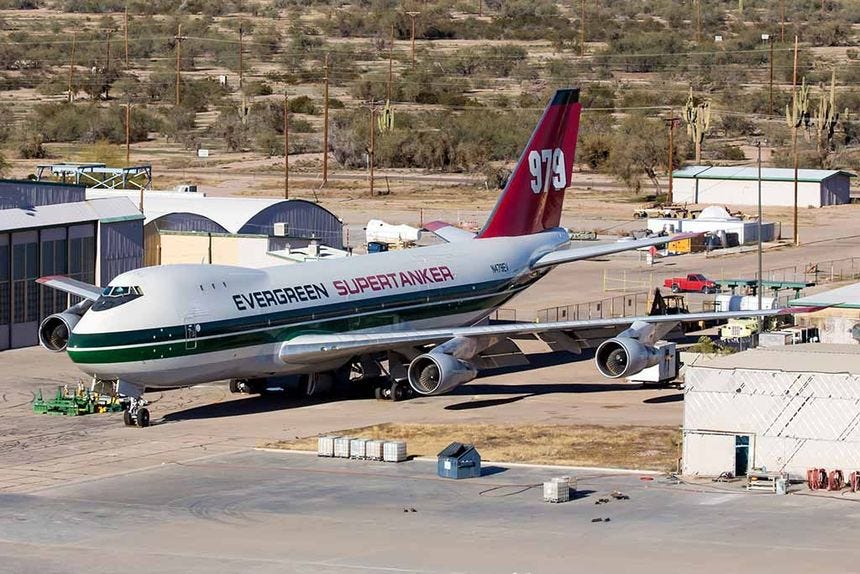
{"points": [[72, 286], [592, 251]]}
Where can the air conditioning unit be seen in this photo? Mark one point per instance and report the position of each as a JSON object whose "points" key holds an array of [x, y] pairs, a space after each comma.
{"points": [[281, 229]]}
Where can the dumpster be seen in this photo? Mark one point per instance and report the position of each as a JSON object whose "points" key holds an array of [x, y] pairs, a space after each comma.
{"points": [[459, 460]]}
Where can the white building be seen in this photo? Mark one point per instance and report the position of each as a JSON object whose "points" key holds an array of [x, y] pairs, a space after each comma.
{"points": [[739, 186], [715, 219], [787, 409]]}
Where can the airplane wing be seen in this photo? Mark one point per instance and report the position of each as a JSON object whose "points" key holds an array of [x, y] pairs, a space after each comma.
{"points": [[580, 253], [448, 232], [310, 347], [73, 286]]}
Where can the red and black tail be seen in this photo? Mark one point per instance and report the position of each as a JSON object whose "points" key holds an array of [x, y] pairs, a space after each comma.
{"points": [[532, 199]]}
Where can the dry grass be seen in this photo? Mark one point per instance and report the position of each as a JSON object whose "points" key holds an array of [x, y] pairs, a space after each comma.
{"points": [[636, 447]]}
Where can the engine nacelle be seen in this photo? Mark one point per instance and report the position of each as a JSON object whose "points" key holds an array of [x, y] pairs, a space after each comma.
{"points": [[436, 373], [55, 330], [623, 356]]}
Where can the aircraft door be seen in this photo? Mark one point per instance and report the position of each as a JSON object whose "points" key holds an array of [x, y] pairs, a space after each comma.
{"points": [[192, 328]]}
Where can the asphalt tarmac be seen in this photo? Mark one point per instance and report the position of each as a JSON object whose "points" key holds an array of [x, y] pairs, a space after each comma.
{"points": [[264, 512]]}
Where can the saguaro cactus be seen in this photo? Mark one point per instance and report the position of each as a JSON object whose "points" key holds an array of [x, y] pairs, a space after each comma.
{"points": [[698, 119], [797, 112], [826, 118]]}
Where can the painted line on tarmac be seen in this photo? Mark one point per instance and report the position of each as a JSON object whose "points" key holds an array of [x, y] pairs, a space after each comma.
{"points": [[493, 462]]}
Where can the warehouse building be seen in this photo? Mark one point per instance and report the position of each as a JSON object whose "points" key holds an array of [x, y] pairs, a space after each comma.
{"points": [[784, 409], [194, 228], [702, 184], [52, 229]]}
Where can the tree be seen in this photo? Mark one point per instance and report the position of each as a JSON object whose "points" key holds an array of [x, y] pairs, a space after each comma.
{"points": [[5, 166], [640, 147]]}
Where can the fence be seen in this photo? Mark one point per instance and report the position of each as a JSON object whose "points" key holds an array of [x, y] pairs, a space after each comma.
{"points": [[629, 305]]}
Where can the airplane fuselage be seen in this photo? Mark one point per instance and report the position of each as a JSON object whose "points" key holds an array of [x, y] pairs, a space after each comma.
{"points": [[188, 324]]}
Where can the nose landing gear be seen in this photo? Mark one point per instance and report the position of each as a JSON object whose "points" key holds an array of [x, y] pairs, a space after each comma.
{"points": [[136, 414]]}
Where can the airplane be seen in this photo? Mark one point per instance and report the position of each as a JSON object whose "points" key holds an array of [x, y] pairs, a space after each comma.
{"points": [[422, 310]]}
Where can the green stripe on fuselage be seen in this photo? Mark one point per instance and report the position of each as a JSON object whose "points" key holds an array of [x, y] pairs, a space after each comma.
{"points": [[169, 342]]}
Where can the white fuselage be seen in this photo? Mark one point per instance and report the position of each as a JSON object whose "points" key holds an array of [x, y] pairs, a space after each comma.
{"points": [[199, 323]]}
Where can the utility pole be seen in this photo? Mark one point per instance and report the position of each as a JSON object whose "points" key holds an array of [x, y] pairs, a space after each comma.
{"points": [[758, 225], [125, 29], [372, 132], [671, 121], [698, 20], [178, 60], [782, 21], [582, 28], [390, 63], [127, 133], [413, 15], [286, 147], [325, 124], [480, 8], [794, 143], [72, 66], [241, 56], [770, 60], [107, 65]]}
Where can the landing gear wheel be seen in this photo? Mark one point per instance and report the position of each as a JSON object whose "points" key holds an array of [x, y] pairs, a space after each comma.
{"points": [[127, 418], [398, 392], [379, 393], [234, 386], [142, 417]]}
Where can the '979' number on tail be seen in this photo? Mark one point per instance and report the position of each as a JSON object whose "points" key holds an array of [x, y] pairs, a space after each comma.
{"points": [[547, 165]]}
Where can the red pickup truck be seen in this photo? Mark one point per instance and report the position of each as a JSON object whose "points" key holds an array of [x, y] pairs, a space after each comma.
{"points": [[692, 282]]}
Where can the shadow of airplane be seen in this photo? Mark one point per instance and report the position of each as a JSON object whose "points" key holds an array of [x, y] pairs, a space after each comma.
{"points": [[676, 398]]}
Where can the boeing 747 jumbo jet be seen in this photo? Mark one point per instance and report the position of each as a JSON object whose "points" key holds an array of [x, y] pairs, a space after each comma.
{"points": [[421, 310]]}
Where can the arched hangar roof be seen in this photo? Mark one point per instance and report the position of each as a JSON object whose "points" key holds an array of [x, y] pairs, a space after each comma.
{"points": [[239, 215]]}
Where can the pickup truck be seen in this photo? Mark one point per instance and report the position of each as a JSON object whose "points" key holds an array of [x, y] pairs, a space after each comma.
{"points": [[692, 282]]}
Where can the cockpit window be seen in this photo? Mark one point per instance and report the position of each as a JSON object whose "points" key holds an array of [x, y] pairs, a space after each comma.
{"points": [[114, 296], [118, 291]]}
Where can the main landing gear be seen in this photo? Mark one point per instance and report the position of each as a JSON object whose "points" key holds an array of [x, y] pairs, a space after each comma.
{"points": [[396, 391], [136, 414]]}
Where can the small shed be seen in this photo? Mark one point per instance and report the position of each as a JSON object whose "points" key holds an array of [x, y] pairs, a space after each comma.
{"points": [[459, 460]]}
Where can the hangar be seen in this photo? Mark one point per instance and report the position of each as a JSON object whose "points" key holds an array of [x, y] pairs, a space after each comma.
{"points": [[195, 228], [739, 186], [786, 409], [52, 229]]}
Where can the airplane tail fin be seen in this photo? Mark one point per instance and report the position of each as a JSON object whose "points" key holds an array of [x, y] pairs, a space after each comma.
{"points": [[533, 196]]}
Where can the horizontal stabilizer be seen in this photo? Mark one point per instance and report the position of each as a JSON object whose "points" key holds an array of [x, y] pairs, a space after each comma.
{"points": [[592, 251], [448, 232]]}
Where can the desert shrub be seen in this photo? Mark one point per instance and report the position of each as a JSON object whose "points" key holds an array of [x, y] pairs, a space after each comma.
{"points": [[303, 105], [730, 153]]}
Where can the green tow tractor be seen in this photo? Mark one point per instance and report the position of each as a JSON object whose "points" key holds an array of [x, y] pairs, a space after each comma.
{"points": [[82, 401]]}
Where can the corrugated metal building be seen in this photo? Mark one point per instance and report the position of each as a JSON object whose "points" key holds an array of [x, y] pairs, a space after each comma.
{"points": [[191, 227], [51, 229], [739, 186], [839, 320], [786, 409]]}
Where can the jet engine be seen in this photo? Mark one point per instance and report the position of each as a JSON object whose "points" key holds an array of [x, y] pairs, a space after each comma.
{"points": [[55, 329], [624, 356], [436, 373]]}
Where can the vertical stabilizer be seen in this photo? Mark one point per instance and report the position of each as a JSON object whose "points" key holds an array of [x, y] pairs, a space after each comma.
{"points": [[532, 199]]}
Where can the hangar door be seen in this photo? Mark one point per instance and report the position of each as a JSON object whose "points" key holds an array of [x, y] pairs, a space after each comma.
{"points": [[710, 453]]}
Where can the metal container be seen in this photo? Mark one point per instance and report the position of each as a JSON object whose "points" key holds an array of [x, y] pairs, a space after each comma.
{"points": [[556, 490], [373, 449], [358, 448], [341, 447], [325, 445], [394, 451]]}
